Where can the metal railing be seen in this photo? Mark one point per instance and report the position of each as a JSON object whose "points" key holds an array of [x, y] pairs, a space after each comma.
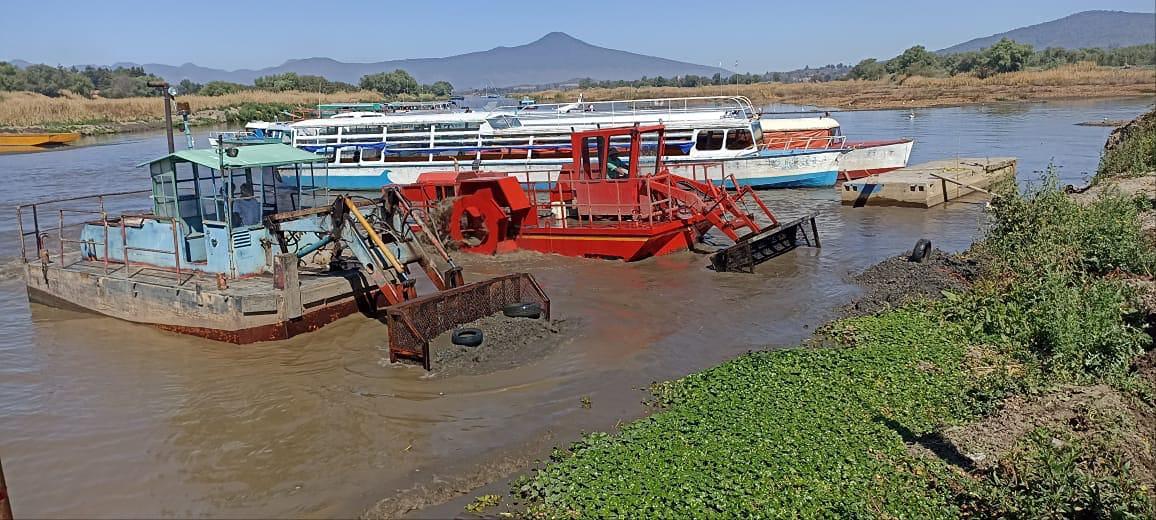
{"points": [[672, 105], [65, 230], [804, 143]]}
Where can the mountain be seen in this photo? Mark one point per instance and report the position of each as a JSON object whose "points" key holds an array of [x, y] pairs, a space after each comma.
{"points": [[1078, 31], [554, 58]]}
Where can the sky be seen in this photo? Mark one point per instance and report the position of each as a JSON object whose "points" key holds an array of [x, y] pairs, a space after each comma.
{"points": [[758, 35]]}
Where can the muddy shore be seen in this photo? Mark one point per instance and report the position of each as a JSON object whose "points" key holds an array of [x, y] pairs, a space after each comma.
{"points": [[507, 342]]}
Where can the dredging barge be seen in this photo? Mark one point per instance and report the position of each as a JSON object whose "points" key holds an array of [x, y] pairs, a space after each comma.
{"points": [[612, 203], [230, 251]]}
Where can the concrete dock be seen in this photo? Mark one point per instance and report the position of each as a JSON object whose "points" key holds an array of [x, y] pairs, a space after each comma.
{"points": [[930, 183]]}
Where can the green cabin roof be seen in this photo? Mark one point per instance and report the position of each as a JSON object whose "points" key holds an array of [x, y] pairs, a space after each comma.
{"points": [[255, 155]]}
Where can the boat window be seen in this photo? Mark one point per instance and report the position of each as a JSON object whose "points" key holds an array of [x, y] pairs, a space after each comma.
{"points": [[361, 130], [504, 122], [330, 154], [370, 155], [327, 130], [739, 139], [458, 125], [595, 145], [758, 131], [408, 128], [709, 140], [648, 157], [347, 155]]}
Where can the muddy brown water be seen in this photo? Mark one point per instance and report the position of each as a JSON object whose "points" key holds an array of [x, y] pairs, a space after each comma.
{"points": [[101, 418]]}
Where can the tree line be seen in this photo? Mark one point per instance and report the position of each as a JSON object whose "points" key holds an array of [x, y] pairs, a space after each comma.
{"points": [[824, 73], [1002, 57], [122, 82], [108, 82]]}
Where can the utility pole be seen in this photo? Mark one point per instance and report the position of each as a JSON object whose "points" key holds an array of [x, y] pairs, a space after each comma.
{"points": [[5, 504], [167, 92]]}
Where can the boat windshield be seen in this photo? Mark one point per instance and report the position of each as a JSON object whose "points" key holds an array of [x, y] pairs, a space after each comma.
{"points": [[503, 122]]}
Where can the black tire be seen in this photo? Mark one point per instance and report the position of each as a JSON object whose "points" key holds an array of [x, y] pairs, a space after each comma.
{"points": [[523, 310], [467, 337], [921, 251]]}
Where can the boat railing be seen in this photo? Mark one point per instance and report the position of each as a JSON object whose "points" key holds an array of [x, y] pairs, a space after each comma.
{"points": [[804, 143], [72, 213], [673, 105]]}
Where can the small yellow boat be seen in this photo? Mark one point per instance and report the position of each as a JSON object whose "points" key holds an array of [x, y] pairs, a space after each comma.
{"points": [[38, 139]]}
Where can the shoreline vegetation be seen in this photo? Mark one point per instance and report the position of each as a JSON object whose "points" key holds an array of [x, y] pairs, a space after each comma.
{"points": [[1019, 383], [101, 100], [29, 112], [918, 78], [32, 112], [1083, 80]]}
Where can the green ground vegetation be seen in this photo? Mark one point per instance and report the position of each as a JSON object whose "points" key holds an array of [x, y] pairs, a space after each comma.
{"points": [[1131, 150], [829, 430]]}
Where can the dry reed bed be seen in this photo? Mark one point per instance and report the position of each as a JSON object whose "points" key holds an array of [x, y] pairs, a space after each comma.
{"points": [[26, 109], [1078, 80]]}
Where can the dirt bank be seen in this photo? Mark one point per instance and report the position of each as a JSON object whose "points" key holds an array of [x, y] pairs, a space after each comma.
{"points": [[1082, 411], [896, 281], [507, 343]]}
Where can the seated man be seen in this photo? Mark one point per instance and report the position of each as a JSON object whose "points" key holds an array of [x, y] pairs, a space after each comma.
{"points": [[246, 207], [616, 168]]}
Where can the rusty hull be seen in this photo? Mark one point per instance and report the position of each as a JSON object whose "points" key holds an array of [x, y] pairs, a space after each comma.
{"points": [[248, 311]]}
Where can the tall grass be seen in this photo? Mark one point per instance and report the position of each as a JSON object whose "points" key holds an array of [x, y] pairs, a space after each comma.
{"points": [[26, 109], [1076, 80]]}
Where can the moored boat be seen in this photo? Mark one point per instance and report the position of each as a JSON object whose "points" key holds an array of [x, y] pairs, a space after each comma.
{"points": [[41, 139], [371, 150], [862, 158]]}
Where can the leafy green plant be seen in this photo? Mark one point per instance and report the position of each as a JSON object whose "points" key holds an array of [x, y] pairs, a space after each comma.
{"points": [[483, 502], [1133, 155], [799, 432]]}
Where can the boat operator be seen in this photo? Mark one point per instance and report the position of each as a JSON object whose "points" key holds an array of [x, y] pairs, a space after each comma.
{"points": [[246, 208], [616, 168]]}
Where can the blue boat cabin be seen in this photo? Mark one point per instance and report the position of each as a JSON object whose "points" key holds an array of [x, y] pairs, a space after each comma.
{"points": [[208, 207]]}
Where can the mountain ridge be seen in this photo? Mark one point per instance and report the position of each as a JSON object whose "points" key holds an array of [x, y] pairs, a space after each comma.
{"points": [[1085, 29], [536, 62]]}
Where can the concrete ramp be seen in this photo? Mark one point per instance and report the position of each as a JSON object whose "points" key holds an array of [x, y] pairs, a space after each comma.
{"points": [[930, 183]]}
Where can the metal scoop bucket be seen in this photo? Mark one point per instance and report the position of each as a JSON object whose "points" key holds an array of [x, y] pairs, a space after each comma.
{"points": [[772, 241], [414, 322]]}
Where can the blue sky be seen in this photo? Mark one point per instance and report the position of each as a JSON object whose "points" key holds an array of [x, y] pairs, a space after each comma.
{"points": [[759, 35]]}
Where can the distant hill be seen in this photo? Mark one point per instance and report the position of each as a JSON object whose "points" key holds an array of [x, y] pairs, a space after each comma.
{"points": [[1078, 31], [554, 58]]}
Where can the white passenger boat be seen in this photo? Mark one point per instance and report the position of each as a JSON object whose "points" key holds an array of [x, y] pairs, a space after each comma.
{"points": [[863, 158], [255, 132], [367, 151]]}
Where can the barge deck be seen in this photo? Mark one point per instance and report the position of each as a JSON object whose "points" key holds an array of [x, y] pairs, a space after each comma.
{"points": [[930, 183]]}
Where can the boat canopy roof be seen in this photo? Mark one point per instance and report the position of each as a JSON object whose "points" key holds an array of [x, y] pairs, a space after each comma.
{"points": [[799, 123], [256, 155]]}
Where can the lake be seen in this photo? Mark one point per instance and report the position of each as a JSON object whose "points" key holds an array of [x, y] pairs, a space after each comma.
{"points": [[102, 418]]}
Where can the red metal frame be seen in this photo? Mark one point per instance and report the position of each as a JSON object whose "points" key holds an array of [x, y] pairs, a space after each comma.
{"points": [[584, 212]]}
